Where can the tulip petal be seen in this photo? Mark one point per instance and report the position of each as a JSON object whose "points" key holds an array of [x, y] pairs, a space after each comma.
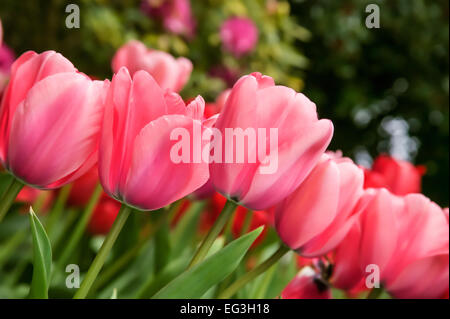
{"points": [[131, 105], [55, 129], [348, 212], [28, 69], [347, 272], [296, 159], [311, 207], [425, 278], [379, 229], [154, 179]]}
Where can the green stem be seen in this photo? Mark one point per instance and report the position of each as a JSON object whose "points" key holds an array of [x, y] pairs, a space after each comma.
{"points": [[215, 230], [162, 244], [260, 291], [117, 265], [255, 272], [100, 259], [79, 227], [10, 247], [375, 293], [9, 196], [247, 222], [55, 214], [9, 182]]}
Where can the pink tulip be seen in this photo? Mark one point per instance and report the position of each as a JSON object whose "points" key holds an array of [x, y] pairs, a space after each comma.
{"points": [[135, 164], [320, 212], [408, 239], [168, 72], [176, 15], [426, 278], [239, 35], [347, 273], [307, 285], [255, 103], [50, 120]]}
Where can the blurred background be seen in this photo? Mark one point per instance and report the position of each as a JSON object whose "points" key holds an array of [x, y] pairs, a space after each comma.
{"points": [[386, 89]]}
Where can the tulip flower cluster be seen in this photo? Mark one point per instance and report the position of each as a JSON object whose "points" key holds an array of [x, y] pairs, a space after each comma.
{"points": [[59, 127]]}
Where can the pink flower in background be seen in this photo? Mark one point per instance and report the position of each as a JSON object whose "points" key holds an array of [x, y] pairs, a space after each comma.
{"points": [[135, 163], [308, 284], [239, 35], [319, 213], [50, 120], [399, 177], [168, 72], [255, 102], [6, 60], [176, 15]]}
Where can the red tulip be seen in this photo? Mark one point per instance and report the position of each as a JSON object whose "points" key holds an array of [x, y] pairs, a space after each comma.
{"points": [[320, 212], [83, 188], [287, 137], [400, 177], [103, 216], [50, 120]]}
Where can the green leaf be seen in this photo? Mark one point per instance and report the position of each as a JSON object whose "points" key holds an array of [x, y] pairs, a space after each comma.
{"points": [[162, 246], [195, 282], [42, 259], [185, 230]]}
